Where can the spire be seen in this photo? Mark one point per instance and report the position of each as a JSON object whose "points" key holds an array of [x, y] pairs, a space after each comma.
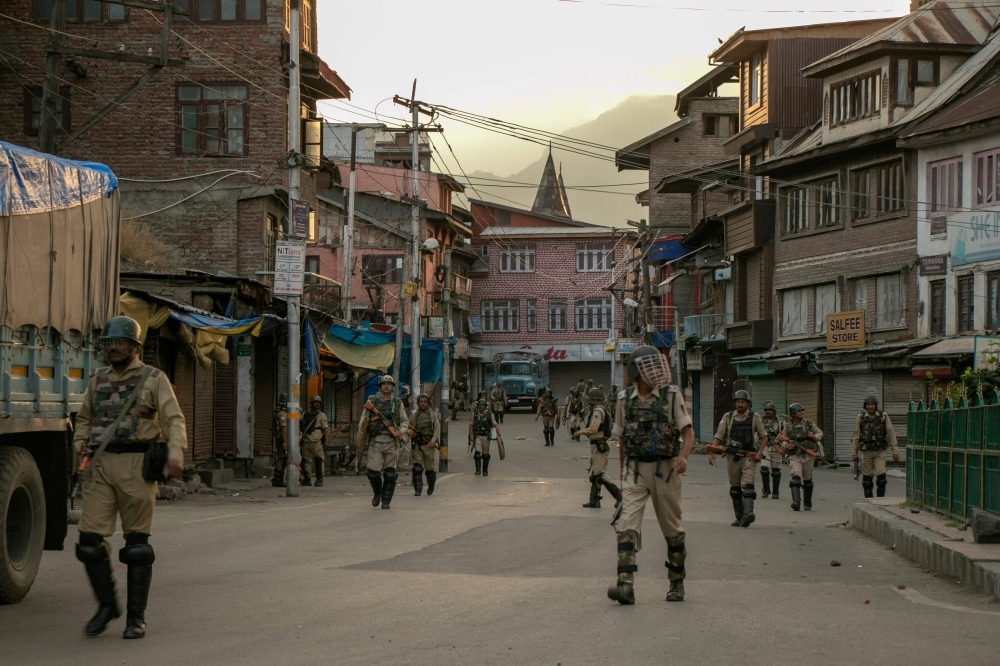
{"points": [[551, 197], [562, 192]]}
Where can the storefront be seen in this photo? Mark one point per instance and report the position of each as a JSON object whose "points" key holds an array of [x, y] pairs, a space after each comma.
{"points": [[568, 362]]}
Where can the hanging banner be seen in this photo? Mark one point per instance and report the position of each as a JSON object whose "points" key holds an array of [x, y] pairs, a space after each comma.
{"points": [[289, 264], [300, 218]]}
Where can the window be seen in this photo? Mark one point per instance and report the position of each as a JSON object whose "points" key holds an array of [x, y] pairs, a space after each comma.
{"points": [[757, 191], [33, 110], [889, 310], [503, 218], [855, 99], [212, 119], [794, 309], [904, 94], [82, 10], [796, 209], [826, 202], [484, 250], [913, 72], [720, 126], [993, 301], [517, 260], [944, 186], [593, 314], [312, 266], [500, 316], [966, 306], [557, 314], [987, 178], [938, 322], [593, 258], [226, 11], [859, 296], [381, 269], [756, 79], [532, 315], [826, 302], [878, 191]]}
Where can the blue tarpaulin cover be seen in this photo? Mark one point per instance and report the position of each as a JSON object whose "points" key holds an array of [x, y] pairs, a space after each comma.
{"points": [[33, 182]]}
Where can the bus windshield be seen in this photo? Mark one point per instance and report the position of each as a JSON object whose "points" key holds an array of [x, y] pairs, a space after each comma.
{"points": [[515, 368]]}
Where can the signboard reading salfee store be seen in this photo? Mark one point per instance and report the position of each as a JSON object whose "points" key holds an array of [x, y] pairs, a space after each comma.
{"points": [[845, 330]]}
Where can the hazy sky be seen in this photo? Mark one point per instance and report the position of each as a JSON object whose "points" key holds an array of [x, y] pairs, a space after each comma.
{"points": [[551, 64]]}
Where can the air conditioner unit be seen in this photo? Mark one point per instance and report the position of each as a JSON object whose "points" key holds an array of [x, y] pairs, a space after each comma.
{"points": [[723, 274]]}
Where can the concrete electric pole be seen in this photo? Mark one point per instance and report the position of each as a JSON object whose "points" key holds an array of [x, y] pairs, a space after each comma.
{"points": [[417, 240], [445, 361], [294, 174]]}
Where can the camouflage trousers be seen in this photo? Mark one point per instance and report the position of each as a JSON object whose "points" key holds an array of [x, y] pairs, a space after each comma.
{"points": [[309, 451]]}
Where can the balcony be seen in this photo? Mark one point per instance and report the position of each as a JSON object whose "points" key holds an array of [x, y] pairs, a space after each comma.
{"points": [[749, 226], [750, 334], [462, 285], [323, 296], [707, 326]]}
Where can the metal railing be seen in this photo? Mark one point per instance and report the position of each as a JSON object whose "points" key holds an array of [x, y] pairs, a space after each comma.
{"points": [[953, 456], [707, 326]]}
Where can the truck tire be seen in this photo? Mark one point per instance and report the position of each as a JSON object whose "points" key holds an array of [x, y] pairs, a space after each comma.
{"points": [[22, 523]]}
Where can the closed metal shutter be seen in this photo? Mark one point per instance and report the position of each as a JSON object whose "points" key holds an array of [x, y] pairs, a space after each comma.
{"points": [[769, 388], [224, 441], [803, 388], [849, 394], [706, 406], [330, 400], [204, 412], [184, 390], [898, 389], [264, 396], [753, 286]]}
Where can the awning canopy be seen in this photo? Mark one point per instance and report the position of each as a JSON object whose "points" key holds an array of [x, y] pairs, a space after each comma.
{"points": [[951, 348]]}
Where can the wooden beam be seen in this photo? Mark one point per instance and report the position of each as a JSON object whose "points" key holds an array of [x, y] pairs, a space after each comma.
{"points": [[146, 4], [114, 104], [110, 55], [165, 41]]}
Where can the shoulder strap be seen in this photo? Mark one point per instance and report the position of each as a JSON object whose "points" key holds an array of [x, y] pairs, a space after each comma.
{"points": [[109, 433]]}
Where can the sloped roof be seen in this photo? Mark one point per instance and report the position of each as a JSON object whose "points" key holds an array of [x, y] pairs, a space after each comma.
{"points": [[977, 105], [742, 43], [551, 196], [636, 155], [706, 86], [956, 23]]}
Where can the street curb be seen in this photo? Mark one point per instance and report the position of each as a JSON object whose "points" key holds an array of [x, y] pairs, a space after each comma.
{"points": [[928, 548]]}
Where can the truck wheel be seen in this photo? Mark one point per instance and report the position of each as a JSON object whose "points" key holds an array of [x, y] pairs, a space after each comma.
{"points": [[22, 523]]}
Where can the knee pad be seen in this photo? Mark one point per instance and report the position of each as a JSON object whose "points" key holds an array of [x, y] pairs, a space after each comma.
{"points": [[478, 455], [430, 473], [594, 478], [418, 469], [390, 474], [867, 482], [91, 548], [881, 480], [807, 484], [735, 492], [486, 456], [775, 473], [749, 491], [796, 482], [373, 475], [138, 553]]}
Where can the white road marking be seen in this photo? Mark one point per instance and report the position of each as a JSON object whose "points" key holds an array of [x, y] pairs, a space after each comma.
{"points": [[918, 598], [445, 478]]}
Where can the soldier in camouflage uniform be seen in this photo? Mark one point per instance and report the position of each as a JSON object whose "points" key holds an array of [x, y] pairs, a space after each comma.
{"points": [[459, 390], [480, 424], [655, 441], [548, 409], [114, 483], [798, 435], [498, 402], [585, 394], [598, 426], [736, 434], [279, 437], [382, 446], [873, 435], [425, 430], [315, 430], [574, 414], [770, 470]]}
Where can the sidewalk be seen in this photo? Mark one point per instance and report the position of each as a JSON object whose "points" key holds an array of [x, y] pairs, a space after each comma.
{"points": [[927, 539]]}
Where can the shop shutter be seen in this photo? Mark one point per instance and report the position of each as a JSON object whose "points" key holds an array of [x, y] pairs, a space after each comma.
{"points": [[753, 286], [898, 389], [343, 402], [204, 412], [224, 442], [184, 390], [769, 388], [849, 391], [803, 388], [264, 396], [330, 400], [706, 406]]}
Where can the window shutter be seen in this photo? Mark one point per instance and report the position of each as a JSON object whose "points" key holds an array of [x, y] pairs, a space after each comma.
{"points": [[826, 109], [885, 88]]}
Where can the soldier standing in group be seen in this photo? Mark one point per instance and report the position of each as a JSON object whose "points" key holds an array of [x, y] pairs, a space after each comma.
{"points": [[581, 386], [382, 447], [597, 430], [574, 414], [873, 435], [459, 390], [585, 394], [138, 404], [407, 397], [736, 435], [548, 409], [425, 432], [655, 441], [800, 436], [480, 426], [315, 430], [279, 437], [498, 401], [770, 469]]}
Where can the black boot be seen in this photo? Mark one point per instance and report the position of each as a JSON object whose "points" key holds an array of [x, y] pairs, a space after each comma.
{"points": [[736, 495], [375, 479], [796, 486], [676, 556], [388, 486], [881, 481], [479, 463], [93, 552], [775, 481], [417, 473], [595, 502], [139, 557], [868, 485], [305, 481], [318, 462], [486, 465], [431, 478], [807, 494], [749, 495], [765, 482], [278, 480], [613, 491], [552, 436]]}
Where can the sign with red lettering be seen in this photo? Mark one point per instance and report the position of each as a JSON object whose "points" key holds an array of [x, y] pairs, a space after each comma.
{"points": [[845, 330]]}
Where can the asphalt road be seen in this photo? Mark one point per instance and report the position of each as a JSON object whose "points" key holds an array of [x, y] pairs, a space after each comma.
{"points": [[508, 569]]}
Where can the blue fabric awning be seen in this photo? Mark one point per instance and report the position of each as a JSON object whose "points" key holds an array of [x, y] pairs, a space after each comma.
{"points": [[34, 182]]}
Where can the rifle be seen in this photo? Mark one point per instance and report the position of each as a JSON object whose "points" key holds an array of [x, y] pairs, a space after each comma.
{"points": [[857, 469], [814, 454], [421, 439], [85, 459], [374, 410], [712, 448]]}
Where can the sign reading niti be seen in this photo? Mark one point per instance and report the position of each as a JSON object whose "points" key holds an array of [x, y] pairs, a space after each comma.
{"points": [[845, 330]]}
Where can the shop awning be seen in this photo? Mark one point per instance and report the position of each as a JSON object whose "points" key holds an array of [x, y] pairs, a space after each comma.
{"points": [[786, 363], [951, 348]]}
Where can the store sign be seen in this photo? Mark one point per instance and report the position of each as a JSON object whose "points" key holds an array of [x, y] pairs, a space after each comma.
{"points": [[461, 348], [977, 237], [558, 352], [289, 263], [693, 359], [435, 327], [937, 265], [476, 352], [300, 218], [475, 324], [626, 346], [845, 330]]}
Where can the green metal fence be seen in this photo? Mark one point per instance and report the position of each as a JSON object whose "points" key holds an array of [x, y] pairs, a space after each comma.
{"points": [[953, 456]]}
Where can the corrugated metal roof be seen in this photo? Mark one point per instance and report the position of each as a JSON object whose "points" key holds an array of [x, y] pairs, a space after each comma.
{"points": [[551, 231], [979, 104], [952, 347]]}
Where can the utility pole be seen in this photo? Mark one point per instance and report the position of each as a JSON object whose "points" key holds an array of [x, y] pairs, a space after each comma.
{"points": [[53, 64], [417, 240], [294, 124], [647, 297], [397, 362], [348, 243], [445, 361]]}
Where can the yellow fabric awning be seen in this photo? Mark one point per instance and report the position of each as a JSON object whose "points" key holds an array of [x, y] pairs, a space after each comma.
{"points": [[373, 357]]}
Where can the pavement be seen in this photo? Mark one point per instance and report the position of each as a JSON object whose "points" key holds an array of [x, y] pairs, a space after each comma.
{"points": [[508, 569]]}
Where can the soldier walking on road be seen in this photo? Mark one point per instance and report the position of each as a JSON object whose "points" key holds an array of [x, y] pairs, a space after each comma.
{"points": [[279, 437], [459, 390], [799, 436], [315, 430], [129, 409], [735, 434], [585, 394], [425, 432], [574, 414], [498, 401], [597, 430], [480, 427], [656, 439], [873, 435], [548, 409], [382, 448], [770, 469]]}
